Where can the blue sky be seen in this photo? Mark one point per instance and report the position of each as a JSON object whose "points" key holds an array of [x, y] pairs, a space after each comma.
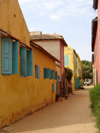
{"points": [[71, 19]]}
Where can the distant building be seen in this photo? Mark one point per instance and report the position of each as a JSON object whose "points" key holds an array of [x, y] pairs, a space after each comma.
{"points": [[54, 44], [72, 61]]}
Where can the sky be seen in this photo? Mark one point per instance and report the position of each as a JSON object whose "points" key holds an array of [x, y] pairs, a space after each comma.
{"points": [[71, 19]]}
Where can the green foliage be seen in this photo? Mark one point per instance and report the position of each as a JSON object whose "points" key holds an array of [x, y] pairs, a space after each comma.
{"points": [[87, 69], [81, 83], [68, 74], [95, 104], [69, 90]]}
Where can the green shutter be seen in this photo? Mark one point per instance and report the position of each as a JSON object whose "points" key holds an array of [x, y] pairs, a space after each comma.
{"points": [[44, 73], [15, 57], [52, 74], [66, 60], [53, 87], [59, 78], [47, 73], [55, 75], [6, 56], [29, 62], [23, 61], [36, 71]]}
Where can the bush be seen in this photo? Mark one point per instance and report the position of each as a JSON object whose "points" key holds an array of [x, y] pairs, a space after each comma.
{"points": [[95, 104], [69, 90]]}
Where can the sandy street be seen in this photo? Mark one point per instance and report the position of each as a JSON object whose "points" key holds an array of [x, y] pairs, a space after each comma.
{"points": [[69, 116]]}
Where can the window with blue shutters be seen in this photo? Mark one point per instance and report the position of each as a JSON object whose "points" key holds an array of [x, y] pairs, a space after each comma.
{"points": [[47, 73], [66, 60], [26, 62], [9, 56]]}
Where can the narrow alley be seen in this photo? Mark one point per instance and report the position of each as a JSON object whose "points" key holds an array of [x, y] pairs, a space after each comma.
{"points": [[69, 116]]}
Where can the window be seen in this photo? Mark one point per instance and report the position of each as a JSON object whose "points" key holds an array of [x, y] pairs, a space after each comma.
{"points": [[9, 56], [59, 78], [47, 73], [26, 62], [53, 87], [66, 60], [53, 74], [37, 71]]}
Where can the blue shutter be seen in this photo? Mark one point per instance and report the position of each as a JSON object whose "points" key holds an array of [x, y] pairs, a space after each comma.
{"points": [[52, 74], [44, 73], [23, 61], [59, 78], [6, 53], [66, 60], [55, 75], [53, 87], [48, 73], [38, 71], [15, 57], [29, 62]]}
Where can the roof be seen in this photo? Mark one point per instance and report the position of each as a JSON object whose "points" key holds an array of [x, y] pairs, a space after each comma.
{"points": [[43, 50], [94, 29], [95, 4], [48, 37], [6, 33]]}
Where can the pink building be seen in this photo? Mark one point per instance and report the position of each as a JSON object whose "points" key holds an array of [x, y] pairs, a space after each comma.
{"points": [[96, 42]]}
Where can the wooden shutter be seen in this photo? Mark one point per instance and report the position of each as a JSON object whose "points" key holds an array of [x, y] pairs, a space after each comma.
{"points": [[53, 87], [55, 75], [23, 61], [66, 60], [15, 57], [6, 53], [52, 74], [29, 62], [48, 73], [38, 71], [59, 78], [44, 73]]}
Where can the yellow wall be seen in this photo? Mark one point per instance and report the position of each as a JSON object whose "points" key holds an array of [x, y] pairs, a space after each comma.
{"points": [[21, 95], [79, 72], [12, 20], [72, 63]]}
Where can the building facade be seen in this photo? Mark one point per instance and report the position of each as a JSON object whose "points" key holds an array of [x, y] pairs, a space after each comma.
{"points": [[96, 42], [73, 62], [54, 44], [28, 73]]}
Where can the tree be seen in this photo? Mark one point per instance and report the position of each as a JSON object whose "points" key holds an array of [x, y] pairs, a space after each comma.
{"points": [[87, 72]]}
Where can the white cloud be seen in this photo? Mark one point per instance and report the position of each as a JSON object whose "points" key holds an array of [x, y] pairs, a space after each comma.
{"points": [[57, 9]]}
